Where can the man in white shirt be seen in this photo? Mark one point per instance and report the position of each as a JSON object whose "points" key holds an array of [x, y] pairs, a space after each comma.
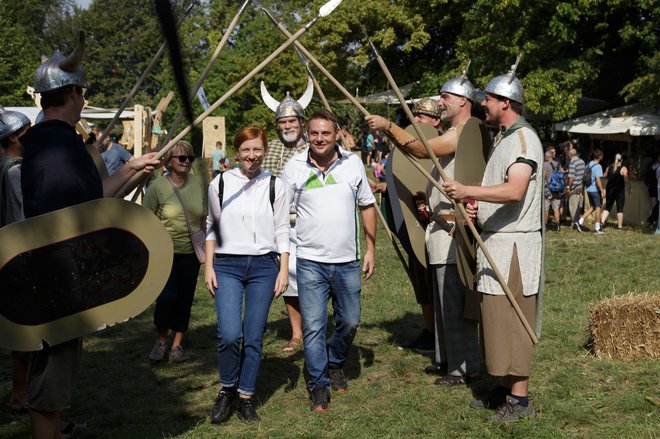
{"points": [[328, 185]]}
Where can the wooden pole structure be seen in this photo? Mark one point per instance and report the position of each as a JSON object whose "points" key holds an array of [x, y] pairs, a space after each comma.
{"points": [[140, 80], [325, 10]]}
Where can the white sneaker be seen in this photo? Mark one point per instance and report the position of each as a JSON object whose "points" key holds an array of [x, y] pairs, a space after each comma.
{"points": [[576, 226]]}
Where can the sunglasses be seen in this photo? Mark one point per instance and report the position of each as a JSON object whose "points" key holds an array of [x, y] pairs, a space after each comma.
{"points": [[183, 158]]}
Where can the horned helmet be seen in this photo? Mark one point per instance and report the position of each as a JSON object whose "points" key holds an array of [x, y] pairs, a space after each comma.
{"points": [[289, 107], [508, 85], [460, 86], [59, 71]]}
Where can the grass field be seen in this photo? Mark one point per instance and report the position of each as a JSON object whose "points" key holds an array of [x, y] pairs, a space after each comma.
{"points": [[119, 395]]}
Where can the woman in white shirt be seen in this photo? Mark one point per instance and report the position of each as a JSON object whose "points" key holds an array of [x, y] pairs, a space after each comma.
{"points": [[247, 245]]}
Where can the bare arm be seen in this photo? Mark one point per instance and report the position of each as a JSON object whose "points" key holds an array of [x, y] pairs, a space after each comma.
{"points": [[441, 145], [368, 214], [114, 182], [510, 191]]}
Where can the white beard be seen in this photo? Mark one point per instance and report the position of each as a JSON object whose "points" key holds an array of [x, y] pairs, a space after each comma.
{"points": [[291, 137]]}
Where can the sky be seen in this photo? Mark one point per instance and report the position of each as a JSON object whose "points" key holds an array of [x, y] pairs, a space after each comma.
{"points": [[83, 3]]}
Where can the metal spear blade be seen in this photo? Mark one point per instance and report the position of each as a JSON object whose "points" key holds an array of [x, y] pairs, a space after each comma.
{"points": [[327, 8]]}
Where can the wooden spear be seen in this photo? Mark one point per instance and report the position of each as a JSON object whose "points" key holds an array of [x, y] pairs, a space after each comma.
{"points": [[141, 79], [205, 73], [324, 11]]}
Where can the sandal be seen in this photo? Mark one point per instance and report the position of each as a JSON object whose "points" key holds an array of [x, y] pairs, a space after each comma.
{"points": [[452, 380], [293, 345]]}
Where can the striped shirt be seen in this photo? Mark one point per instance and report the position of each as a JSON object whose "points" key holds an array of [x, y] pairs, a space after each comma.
{"points": [[576, 172]]}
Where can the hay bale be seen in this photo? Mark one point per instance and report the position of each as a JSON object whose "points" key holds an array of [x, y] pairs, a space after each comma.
{"points": [[626, 327]]}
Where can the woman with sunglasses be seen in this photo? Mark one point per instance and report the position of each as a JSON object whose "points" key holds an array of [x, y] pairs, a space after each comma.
{"points": [[250, 260], [178, 199]]}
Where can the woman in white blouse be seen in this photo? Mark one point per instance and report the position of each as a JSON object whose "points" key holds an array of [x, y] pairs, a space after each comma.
{"points": [[247, 246]]}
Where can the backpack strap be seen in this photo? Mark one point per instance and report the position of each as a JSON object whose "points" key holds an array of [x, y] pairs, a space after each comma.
{"points": [[221, 188], [272, 191]]}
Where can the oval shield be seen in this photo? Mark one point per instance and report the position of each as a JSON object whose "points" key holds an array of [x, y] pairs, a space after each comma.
{"points": [[77, 270]]}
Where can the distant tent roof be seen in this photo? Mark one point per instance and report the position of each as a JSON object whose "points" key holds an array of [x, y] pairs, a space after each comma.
{"points": [[634, 120], [383, 97], [87, 113]]}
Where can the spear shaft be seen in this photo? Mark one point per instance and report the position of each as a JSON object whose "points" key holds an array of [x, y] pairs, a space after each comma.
{"points": [[156, 58]]}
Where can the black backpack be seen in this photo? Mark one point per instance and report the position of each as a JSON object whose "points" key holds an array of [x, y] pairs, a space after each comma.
{"points": [[586, 178], [221, 190]]}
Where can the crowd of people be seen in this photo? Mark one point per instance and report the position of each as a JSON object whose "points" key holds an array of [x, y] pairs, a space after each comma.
{"points": [[284, 222]]}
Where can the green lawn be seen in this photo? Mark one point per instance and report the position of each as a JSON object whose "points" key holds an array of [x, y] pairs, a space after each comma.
{"points": [[119, 395]]}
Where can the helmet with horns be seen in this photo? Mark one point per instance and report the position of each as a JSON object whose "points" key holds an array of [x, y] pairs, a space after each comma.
{"points": [[289, 107], [59, 71]]}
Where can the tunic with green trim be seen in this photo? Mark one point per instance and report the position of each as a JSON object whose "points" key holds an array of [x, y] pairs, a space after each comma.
{"points": [[504, 224], [327, 206]]}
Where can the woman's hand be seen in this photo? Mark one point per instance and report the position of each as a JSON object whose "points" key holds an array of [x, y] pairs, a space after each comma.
{"points": [[209, 280], [282, 280], [281, 283]]}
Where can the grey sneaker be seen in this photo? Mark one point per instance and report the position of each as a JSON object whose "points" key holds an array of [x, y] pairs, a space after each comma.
{"points": [[511, 411], [158, 352], [492, 401], [178, 355]]}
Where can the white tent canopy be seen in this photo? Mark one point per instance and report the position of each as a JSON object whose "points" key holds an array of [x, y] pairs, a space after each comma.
{"points": [[87, 113], [634, 120]]}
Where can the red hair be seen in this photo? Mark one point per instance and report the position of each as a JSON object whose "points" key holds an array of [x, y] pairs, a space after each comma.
{"points": [[249, 132]]}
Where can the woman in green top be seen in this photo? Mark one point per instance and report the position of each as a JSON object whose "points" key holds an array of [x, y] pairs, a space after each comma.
{"points": [[165, 197]]}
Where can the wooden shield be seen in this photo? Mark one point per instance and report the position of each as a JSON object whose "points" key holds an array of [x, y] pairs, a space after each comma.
{"points": [[407, 180], [469, 165], [74, 271]]}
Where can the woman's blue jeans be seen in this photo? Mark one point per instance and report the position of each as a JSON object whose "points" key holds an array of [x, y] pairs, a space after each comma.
{"points": [[317, 283], [249, 279]]}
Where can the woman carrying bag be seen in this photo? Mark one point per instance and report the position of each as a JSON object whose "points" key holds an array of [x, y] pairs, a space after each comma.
{"points": [[178, 199], [247, 254]]}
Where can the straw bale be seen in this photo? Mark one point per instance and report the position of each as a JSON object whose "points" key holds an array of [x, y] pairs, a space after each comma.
{"points": [[626, 327]]}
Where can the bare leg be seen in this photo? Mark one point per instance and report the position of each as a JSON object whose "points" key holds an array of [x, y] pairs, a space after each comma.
{"points": [[162, 334], [604, 216], [519, 386], [19, 390], [178, 339], [619, 219], [295, 318], [45, 425]]}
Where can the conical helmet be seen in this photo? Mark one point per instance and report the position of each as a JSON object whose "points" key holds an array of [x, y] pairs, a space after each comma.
{"points": [[289, 107], [11, 121], [507, 85], [426, 106], [59, 71], [460, 86]]}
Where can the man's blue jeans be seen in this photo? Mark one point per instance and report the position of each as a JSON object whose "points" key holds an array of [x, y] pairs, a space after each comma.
{"points": [[318, 282], [249, 278]]}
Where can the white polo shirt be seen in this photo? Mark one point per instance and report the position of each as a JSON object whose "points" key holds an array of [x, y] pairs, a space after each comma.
{"points": [[327, 206]]}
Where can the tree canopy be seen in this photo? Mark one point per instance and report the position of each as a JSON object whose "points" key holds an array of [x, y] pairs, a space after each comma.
{"points": [[606, 49]]}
